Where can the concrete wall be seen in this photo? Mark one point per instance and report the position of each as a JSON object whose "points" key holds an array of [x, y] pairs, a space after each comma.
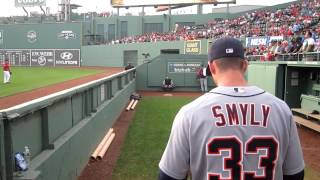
{"points": [[63, 129]]}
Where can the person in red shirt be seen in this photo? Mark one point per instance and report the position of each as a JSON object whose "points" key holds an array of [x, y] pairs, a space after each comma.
{"points": [[6, 72]]}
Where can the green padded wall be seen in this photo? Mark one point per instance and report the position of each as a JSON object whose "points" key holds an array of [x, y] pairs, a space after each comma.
{"points": [[263, 76], [26, 131], [113, 55], [41, 36], [150, 75]]}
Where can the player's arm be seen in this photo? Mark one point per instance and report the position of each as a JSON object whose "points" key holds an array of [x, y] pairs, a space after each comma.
{"points": [[176, 157], [298, 176], [293, 165], [164, 176]]}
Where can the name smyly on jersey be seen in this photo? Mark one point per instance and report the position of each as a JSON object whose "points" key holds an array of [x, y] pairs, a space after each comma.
{"points": [[241, 114]]}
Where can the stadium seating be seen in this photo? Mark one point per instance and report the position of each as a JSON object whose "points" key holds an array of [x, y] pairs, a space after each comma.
{"points": [[281, 22]]}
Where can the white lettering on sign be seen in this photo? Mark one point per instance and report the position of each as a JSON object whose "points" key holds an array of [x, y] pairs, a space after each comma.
{"points": [[42, 53], [258, 41], [30, 1], [66, 62]]}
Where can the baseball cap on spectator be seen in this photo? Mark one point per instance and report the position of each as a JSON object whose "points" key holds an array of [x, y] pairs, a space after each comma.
{"points": [[226, 47]]}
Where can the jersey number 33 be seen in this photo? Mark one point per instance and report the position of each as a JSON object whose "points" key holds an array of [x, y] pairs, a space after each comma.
{"points": [[234, 162]]}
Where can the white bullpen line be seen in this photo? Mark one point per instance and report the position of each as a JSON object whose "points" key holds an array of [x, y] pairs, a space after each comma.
{"points": [[57, 94]]}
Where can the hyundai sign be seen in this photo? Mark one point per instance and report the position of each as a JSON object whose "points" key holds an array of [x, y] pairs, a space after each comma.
{"points": [[41, 57], [29, 3]]}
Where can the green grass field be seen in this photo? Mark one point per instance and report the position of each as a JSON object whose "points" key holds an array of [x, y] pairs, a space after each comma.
{"points": [[28, 78], [147, 137]]}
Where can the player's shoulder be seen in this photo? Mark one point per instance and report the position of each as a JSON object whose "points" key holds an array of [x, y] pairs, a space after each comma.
{"points": [[274, 98], [198, 103]]}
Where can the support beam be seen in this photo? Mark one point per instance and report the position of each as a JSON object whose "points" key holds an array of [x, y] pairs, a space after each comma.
{"points": [[200, 9], [25, 11]]}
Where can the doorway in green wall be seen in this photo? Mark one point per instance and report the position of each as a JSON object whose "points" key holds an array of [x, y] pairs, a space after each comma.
{"points": [[130, 57]]}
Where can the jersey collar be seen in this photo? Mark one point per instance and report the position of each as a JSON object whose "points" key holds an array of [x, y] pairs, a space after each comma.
{"points": [[237, 91]]}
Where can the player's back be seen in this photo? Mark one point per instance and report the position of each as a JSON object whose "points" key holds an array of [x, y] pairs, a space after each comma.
{"points": [[241, 133]]}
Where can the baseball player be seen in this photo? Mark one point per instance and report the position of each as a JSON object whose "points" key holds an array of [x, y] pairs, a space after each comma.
{"points": [[6, 72], [234, 132]]}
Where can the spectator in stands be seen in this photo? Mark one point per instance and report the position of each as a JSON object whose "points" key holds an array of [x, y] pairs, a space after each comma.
{"points": [[317, 46], [167, 84], [297, 44], [308, 46], [287, 22], [308, 43], [129, 66], [278, 51], [314, 34]]}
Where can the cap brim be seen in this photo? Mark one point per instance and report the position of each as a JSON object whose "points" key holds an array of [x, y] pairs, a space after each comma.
{"points": [[208, 72]]}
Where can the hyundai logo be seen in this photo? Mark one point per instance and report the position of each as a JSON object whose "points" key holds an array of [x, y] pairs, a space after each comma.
{"points": [[66, 56]]}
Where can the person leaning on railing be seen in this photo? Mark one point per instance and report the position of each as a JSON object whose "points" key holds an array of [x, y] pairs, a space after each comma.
{"points": [[307, 46]]}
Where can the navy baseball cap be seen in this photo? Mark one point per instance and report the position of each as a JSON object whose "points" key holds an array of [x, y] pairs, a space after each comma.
{"points": [[223, 48]]}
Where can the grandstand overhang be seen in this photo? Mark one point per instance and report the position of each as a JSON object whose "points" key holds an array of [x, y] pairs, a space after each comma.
{"points": [[174, 4]]}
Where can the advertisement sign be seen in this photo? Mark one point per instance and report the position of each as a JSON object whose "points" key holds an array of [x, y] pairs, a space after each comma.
{"points": [[67, 57], [256, 41], [264, 40], [118, 3], [29, 3], [32, 36], [183, 67], [192, 47], [67, 35], [42, 57], [276, 38]]}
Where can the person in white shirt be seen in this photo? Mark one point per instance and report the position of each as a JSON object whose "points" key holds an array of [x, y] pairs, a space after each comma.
{"points": [[308, 43], [307, 47]]}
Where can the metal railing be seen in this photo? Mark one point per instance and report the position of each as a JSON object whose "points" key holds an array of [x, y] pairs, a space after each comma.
{"points": [[310, 56]]}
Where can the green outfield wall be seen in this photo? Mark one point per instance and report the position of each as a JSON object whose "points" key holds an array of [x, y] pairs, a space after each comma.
{"points": [[114, 55], [51, 44], [62, 129], [42, 36]]}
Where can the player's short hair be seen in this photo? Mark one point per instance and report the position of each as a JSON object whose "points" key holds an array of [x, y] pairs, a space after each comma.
{"points": [[233, 63]]}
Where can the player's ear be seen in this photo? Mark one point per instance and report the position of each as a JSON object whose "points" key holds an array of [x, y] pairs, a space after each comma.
{"points": [[212, 68], [245, 64]]}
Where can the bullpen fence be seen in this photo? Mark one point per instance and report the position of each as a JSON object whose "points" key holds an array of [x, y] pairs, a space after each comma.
{"points": [[62, 129]]}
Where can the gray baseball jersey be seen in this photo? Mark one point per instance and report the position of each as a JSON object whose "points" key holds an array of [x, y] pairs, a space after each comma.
{"points": [[233, 133]]}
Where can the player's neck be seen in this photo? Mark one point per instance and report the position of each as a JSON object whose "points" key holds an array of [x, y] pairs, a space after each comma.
{"points": [[237, 79]]}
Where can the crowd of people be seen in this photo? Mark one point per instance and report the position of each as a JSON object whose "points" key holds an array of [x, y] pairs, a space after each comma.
{"points": [[286, 22], [282, 22], [287, 49]]}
